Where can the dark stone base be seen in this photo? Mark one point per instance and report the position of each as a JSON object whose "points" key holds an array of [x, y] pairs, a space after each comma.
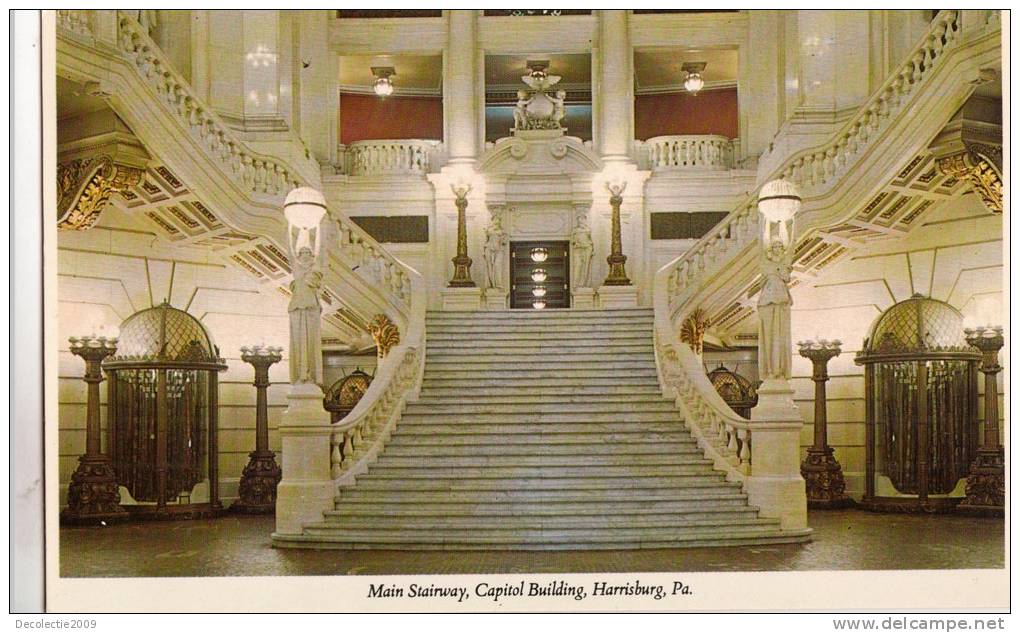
{"points": [[986, 485], [823, 479], [93, 496], [257, 490]]}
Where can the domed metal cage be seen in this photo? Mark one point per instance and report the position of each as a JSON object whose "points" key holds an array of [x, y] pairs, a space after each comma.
{"points": [[163, 398], [344, 394], [920, 381], [736, 390]]}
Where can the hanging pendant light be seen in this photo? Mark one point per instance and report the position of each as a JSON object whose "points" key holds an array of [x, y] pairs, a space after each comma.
{"points": [[539, 254], [538, 305], [383, 84], [693, 82], [539, 275], [538, 291]]}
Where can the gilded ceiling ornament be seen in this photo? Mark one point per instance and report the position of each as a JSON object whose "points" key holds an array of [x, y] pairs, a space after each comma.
{"points": [[84, 186], [385, 333], [977, 166], [693, 329]]}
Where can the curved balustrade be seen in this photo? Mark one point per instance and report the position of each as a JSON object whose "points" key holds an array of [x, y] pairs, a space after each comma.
{"points": [[689, 151], [725, 436], [384, 157], [258, 172], [357, 439]]}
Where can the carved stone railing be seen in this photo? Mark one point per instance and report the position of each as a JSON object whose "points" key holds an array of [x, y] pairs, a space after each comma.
{"points": [[688, 151], [258, 172], [357, 439], [390, 157], [716, 260]]}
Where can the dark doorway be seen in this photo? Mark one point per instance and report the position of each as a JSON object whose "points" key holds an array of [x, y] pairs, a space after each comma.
{"points": [[557, 275]]}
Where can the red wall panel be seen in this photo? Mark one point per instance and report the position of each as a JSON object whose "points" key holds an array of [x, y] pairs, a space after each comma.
{"points": [[710, 112], [368, 117]]}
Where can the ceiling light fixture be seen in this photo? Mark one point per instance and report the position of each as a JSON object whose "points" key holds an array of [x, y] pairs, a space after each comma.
{"points": [[539, 254], [693, 82], [538, 291], [383, 84], [538, 305], [539, 275]]}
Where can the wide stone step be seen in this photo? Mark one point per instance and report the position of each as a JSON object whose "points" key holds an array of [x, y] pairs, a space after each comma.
{"points": [[529, 428], [537, 383], [606, 330], [390, 461], [425, 437], [465, 391], [555, 538], [553, 408], [482, 349], [559, 364], [566, 402], [457, 371], [381, 471], [495, 486], [541, 336], [536, 495], [532, 315], [552, 358], [465, 346], [457, 446], [719, 505], [408, 523]]}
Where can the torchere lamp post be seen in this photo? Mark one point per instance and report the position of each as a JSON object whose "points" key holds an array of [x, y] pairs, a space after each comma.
{"points": [[822, 474], [617, 260], [257, 490], [93, 495], [986, 483], [461, 262]]}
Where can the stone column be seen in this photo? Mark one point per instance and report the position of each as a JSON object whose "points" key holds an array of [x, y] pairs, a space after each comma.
{"points": [[244, 66], [615, 97], [822, 473], [257, 489], [986, 483], [460, 74], [93, 495]]}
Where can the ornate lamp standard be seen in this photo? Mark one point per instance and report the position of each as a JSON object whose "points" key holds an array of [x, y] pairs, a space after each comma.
{"points": [[821, 471], [93, 494], [617, 273], [257, 490], [986, 483], [461, 263]]}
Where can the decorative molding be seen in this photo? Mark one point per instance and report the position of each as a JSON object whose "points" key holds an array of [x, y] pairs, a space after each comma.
{"points": [[979, 171], [693, 329], [84, 187], [385, 333]]}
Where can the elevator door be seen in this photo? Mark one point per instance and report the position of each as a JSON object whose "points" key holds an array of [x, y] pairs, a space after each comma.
{"points": [[523, 282]]}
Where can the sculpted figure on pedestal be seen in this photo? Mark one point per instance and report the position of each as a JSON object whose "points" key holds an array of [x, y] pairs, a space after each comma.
{"points": [[774, 313], [305, 319], [582, 249], [495, 243]]}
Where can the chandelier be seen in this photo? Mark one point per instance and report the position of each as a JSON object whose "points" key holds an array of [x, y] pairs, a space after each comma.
{"points": [[539, 275], [539, 254], [383, 84], [693, 82]]}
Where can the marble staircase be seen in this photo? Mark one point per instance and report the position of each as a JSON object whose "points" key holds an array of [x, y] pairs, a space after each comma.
{"points": [[540, 430]]}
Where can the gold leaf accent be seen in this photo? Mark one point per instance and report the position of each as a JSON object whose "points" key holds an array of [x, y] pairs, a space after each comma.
{"points": [[85, 185], [385, 333], [693, 329], [979, 172]]}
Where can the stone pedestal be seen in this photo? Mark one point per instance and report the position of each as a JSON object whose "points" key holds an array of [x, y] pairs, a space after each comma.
{"points": [[307, 488], [611, 297], [462, 298], [494, 299], [583, 298], [775, 484]]}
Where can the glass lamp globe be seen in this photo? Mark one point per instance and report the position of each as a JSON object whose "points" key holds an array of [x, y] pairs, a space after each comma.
{"points": [[538, 291], [539, 254], [383, 86], [538, 305], [539, 275], [694, 83], [779, 200], [304, 208]]}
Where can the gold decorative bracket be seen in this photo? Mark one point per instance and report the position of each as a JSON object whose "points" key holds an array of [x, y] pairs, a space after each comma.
{"points": [[385, 333], [90, 171], [692, 330]]}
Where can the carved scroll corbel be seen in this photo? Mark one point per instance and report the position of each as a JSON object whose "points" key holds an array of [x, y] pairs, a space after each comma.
{"points": [[693, 328], [980, 171], [84, 187]]}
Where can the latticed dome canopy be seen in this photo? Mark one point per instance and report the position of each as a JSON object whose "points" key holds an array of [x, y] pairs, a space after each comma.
{"points": [[165, 334], [344, 394], [918, 325], [731, 386]]}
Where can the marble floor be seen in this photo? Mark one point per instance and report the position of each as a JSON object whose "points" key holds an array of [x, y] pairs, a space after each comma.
{"points": [[240, 546]]}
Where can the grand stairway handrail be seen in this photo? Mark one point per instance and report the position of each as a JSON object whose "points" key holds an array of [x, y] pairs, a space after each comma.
{"points": [[676, 283]]}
